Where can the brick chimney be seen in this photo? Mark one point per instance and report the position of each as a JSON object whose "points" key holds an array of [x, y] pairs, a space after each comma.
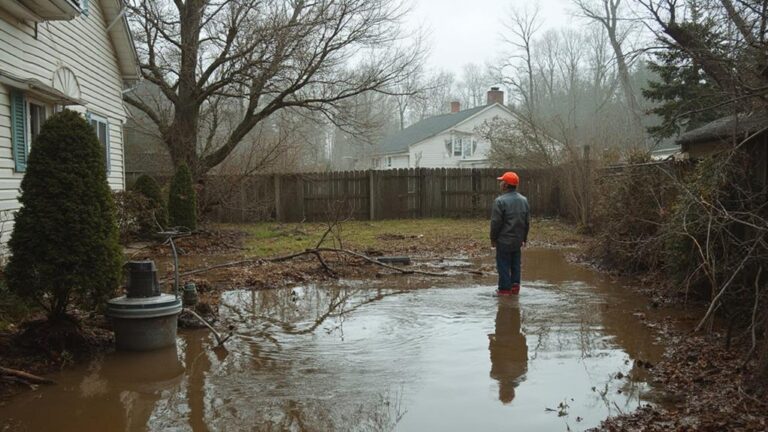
{"points": [[495, 96], [455, 106]]}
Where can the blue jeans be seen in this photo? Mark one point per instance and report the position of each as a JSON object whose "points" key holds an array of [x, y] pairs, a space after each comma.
{"points": [[508, 265]]}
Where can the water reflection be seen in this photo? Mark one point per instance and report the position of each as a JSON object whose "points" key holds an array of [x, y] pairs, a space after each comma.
{"points": [[509, 352], [374, 355]]}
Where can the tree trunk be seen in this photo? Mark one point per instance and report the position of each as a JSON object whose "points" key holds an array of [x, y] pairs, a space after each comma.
{"points": [[182, 141]]}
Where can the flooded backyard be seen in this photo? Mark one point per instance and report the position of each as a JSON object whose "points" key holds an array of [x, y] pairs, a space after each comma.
{"points": [[388, 354]]}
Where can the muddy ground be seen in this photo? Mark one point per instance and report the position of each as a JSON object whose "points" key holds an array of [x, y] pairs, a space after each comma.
{"points": [[708, 387]]}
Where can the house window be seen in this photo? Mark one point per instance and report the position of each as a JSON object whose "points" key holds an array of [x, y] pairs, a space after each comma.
{"points": [[101, 127], [389, 161], [27, 118], [464, 147], [37, 116], [467, 148]]}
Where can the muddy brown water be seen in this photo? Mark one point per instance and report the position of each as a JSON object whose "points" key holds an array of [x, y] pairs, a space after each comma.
{"points": [[391, 354]]}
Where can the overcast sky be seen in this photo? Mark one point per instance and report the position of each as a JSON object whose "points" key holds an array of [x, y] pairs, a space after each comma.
{"points": [[468, 31]]}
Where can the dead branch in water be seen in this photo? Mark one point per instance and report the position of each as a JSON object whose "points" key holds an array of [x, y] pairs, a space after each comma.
{"points": [[316, 252], [24, 377], [216, 334]]}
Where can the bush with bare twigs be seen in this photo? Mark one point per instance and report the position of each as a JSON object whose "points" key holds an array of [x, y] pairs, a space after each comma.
{"points": [[702, 228]]}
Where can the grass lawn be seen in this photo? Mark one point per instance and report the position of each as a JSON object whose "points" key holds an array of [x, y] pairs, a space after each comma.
{"points": [[406, 235]]}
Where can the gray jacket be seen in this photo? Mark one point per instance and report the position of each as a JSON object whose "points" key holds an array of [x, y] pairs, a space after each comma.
{"points": [[510, 219]]}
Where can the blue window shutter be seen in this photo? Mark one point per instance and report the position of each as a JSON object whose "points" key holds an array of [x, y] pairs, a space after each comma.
{"points": [[85, 6], [19, 129], [106, 150]]}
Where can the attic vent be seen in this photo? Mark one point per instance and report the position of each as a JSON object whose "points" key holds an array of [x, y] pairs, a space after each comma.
{"points": [[65, 81]]}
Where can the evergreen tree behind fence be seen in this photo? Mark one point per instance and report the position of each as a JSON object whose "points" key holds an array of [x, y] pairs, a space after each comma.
{"points": [[373, 195]]}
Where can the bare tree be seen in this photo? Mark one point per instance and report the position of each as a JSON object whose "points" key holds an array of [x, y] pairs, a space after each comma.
{"points": [[261, 56], [435, 96], [607, 14], [474, 83]]}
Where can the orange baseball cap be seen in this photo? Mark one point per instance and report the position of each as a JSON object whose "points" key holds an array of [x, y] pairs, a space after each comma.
{"points": [[510, 178]]}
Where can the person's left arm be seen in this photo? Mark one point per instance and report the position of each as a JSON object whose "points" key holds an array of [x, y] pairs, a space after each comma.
{"points": [[497, 218]]}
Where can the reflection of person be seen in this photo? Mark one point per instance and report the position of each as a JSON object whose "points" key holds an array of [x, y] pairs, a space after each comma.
{"points": [[509, 352], [510, 220]]}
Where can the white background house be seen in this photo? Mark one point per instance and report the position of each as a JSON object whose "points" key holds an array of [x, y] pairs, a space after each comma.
{"points": [[445, 141], [60, 53]]}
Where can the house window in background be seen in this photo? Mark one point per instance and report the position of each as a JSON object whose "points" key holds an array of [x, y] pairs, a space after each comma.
{"points": [[467, 148], [389, 161], [457, 146], [463, 146], [101, 127]]}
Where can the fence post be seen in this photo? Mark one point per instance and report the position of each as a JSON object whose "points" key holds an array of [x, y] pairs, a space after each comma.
{"points": [[278, 210], [300, 181], [371, 196], [475, 191], [421, 195], [587, 188]]}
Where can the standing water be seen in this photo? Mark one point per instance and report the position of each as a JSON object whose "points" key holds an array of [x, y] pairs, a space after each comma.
{"points": [[388, 354]]}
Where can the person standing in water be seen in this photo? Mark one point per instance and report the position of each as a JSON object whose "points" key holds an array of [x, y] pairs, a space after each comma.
{"points": [[510, 221]]}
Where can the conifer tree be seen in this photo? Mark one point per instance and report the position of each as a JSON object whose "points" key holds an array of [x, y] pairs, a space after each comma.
{"points": [[64, 246], [182, 200], [148, 187]]}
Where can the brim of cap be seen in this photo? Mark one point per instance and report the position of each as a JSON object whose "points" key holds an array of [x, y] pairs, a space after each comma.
{"points": [[499, 178]]}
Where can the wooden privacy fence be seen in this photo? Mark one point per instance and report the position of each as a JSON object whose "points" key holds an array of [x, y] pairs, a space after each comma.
{"points": [[373, 195]]}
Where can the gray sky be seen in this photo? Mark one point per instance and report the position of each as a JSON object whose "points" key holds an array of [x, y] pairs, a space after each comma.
{"points": [[468, 31]]}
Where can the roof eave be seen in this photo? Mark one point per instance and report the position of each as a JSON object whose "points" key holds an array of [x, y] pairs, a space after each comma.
{"points": [[122, 40], [487, 108], [38, 88]]}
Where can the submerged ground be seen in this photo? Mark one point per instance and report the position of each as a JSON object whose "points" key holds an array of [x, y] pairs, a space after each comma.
{"points": [[411, 354], [341, 344]]}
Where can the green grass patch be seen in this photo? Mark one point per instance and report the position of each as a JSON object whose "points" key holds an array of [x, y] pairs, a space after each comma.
{"points": [[271, 238]]}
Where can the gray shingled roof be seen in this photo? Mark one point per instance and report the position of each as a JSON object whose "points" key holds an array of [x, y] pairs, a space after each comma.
{"points": [[399, 141], [734, 126]]}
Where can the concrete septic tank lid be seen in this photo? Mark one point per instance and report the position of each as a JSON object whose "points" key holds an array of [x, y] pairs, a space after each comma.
{"points": [[146, 307]]}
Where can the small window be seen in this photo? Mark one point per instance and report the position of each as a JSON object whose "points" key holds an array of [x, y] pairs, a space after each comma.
{"points": [[467, 148], [457, 146], [389, 161], [101, 127], [37, 116], [27, 118]]}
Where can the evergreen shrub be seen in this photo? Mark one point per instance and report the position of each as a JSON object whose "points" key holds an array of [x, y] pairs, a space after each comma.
{"points": [[182, 200], [64, 245]]}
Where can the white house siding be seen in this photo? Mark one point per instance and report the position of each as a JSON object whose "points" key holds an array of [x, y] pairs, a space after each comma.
{"points": [[83, 46], [431, 153], [397, 161]]}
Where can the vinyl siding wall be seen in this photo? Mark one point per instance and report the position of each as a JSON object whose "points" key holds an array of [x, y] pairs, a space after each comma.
{"points": [[432, 151], [83, 46]]}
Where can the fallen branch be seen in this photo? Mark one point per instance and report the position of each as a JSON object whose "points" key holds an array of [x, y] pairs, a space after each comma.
{"points": [[716, 301], [325, 265], [216, 334], [316, 253], [378, 263], [25, 376]]}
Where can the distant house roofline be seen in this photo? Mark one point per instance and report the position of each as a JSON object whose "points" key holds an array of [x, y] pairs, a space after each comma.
{"points": [[400, 141], [737, 126]]}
